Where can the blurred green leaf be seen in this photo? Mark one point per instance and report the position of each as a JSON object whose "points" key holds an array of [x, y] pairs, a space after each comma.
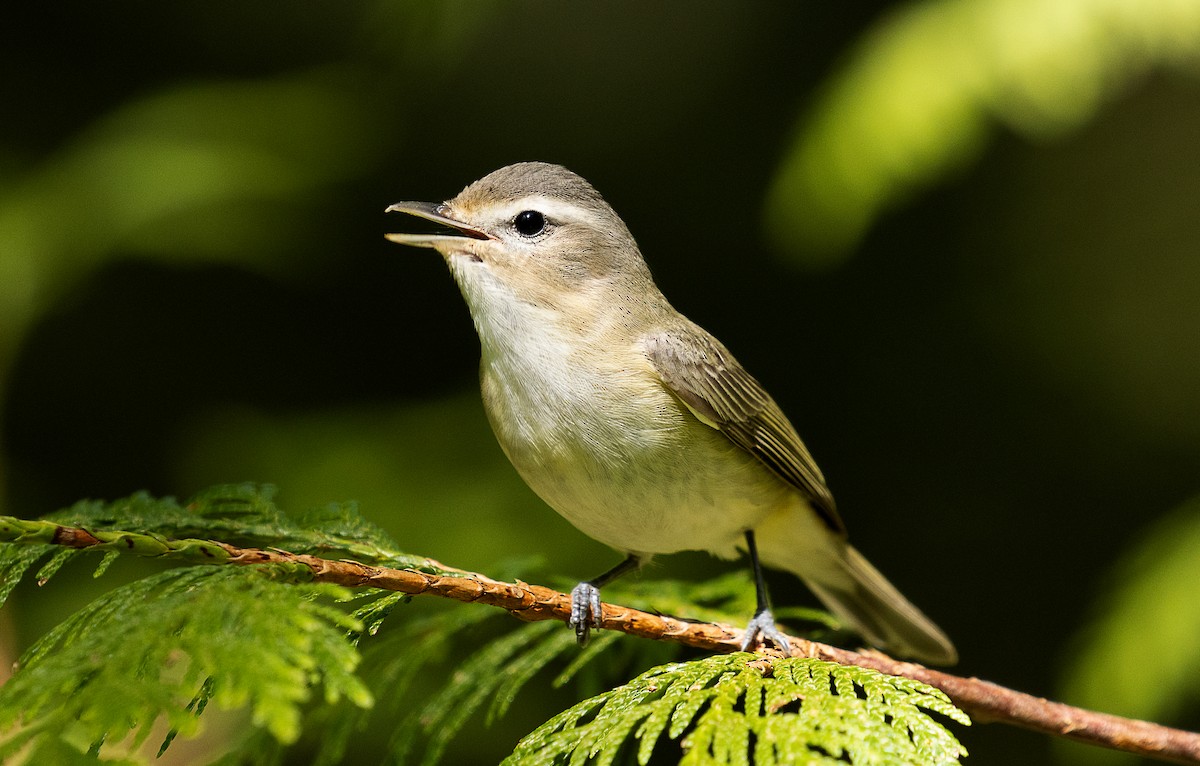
{"points": [[194, 167], [425, 36], [432, 474], [1140, 657], [918, 96]]}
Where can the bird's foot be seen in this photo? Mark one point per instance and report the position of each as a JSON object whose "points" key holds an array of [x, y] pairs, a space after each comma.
{"points": [[763, 628], [585, 611]]}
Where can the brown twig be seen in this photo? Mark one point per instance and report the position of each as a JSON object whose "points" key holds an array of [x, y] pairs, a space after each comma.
{"points": [[984, 701]]}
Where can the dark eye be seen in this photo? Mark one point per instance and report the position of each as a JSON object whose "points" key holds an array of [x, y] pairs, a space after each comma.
{"points": [[529, 223]]}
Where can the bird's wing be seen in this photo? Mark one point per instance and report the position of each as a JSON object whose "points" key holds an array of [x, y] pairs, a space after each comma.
{"points": [[698, 370]]}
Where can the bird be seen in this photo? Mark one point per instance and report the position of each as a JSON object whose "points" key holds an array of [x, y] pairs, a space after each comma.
{"points": [[631, 421]]}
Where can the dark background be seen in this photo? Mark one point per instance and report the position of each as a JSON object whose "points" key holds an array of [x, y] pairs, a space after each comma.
{"points": [[998, 376]]}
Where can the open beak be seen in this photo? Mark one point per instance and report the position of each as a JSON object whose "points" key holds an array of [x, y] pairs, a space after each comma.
{"points": [[433, 211]]}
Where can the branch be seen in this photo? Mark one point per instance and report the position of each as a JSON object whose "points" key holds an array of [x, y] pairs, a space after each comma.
{"points": [[984, 701]]}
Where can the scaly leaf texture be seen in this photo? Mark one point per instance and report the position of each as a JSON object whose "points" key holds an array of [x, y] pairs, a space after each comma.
{"points": [[243, 514], [742, 709], [15, 561], [150, 650], [246, 514]]}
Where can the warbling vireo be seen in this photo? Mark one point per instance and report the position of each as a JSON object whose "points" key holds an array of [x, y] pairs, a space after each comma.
{"points": [[631, 421]]}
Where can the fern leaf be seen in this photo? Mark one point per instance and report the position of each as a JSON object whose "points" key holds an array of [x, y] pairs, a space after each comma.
{"points": [[157, 648], [16, 560], [597, 646], [739, 709], [499, 664], [372, 614], [392, 664], [488, 680], [51, 567], [246, 514], [555, 642]]}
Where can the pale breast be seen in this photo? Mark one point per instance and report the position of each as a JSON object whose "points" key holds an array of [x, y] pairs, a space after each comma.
{"points": [[585, 420], [620, 458]]}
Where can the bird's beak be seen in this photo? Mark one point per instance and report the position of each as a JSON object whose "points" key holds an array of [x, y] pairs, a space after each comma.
{"points": [[433, 211]]}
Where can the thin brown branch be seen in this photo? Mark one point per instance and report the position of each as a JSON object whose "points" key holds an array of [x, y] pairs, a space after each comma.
{"points": [[984, 701]]}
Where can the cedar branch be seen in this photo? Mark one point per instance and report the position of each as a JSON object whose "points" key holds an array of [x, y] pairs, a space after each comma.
{"points": [[984, 701]]}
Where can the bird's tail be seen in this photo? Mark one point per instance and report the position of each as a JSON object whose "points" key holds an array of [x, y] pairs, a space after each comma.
{"points": [[857, 593], [873, 607]]}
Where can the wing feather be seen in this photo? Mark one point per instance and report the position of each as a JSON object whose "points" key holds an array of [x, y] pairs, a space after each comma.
{"points": [[698, 370]]}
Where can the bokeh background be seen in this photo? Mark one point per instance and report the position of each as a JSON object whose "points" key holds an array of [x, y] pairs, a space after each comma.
{"points": [[957, 239]]}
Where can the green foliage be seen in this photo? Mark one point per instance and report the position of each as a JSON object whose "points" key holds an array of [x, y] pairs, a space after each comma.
{"points": [[257, 638], [15, 560], [244, 514], [917, 97], [237, 150], [130, 673], [170, 644], [486, 681], [393, 667], [741, 709], [1139, 657], [241, 514]]}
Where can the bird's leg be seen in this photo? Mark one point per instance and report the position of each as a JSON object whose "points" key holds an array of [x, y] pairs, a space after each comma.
{"points": [[585, 598], [763, 624]]}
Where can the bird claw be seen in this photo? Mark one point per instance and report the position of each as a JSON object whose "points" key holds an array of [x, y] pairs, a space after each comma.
{"points": [[763, 628], [585, 611]]}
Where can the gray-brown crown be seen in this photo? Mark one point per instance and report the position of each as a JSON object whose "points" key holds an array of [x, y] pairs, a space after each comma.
{"points": [[528, 178]]}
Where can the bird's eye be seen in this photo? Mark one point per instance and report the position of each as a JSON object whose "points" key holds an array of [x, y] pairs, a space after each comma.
{"points": [[529, 223]]}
